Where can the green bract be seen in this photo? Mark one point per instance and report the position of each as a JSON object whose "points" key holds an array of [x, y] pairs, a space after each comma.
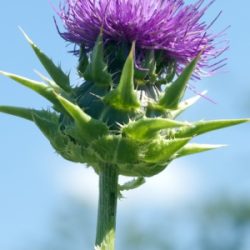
{"points": [[127, 122]]}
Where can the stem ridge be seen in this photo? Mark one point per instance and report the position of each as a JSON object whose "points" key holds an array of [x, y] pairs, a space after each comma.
{"points": [[107, 206]]}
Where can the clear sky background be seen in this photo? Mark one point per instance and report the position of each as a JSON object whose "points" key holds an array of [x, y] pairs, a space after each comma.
{"points": [[34, 180]]}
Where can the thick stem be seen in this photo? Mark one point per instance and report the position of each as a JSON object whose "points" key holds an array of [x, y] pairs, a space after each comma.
{"points": [[108, 193]]}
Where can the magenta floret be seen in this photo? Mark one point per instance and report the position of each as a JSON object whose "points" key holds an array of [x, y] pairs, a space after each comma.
{"points": [[170, 25]]}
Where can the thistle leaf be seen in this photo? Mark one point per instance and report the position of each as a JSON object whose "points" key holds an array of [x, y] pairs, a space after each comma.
{"points": [[161, 151], [135, 183], [17, 111], [56, 73], [175, 91], [184, 105], [88, 127], [124, 96], [49, 127], [83, 62], [97, 69], [48, 81], [116, 150], [148, 69], [171, 72], [147, 128], [39, 87], [107, 241], [29, 114], [194, 148], [48, 123], [202, 127]]}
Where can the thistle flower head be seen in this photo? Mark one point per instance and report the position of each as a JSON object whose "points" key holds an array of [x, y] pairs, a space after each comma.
{"points": [[170, 27], [122, 115]]}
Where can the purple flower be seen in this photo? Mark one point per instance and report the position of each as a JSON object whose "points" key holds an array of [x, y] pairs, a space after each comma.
{"points": [[170, 26]]}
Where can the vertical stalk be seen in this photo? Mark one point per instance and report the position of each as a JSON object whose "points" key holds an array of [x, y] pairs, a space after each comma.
{"points": [[108, 193]]}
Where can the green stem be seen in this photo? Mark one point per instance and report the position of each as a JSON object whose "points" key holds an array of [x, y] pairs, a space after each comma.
{"points": [[108, 193]]}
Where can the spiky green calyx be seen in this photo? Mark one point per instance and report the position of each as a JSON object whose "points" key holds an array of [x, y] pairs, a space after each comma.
{"points": [[127, 122]]}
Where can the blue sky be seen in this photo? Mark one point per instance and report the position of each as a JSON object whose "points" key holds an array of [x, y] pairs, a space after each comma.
{"points": [[34, 180]]}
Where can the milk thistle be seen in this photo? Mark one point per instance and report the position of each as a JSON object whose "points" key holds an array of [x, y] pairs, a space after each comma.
{"points": [[136, 60]]}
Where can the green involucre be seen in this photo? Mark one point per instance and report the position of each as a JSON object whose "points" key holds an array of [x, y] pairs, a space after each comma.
{"points": [[128, 124]]}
